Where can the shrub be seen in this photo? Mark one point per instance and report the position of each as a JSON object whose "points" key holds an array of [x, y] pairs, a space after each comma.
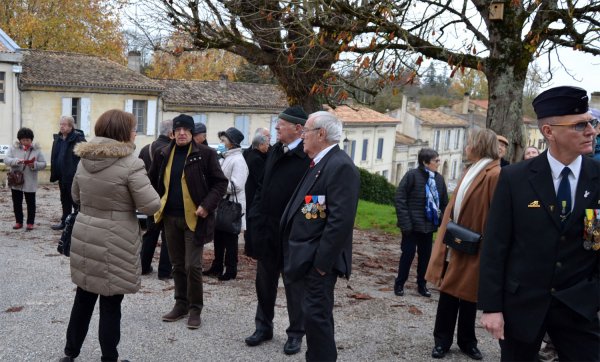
{"points": [[376, 188]]}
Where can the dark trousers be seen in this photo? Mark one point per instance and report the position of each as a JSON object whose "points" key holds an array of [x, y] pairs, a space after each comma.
{"points": [[449, 308], [317, 306], [149, 241], [421, 244], [267, 279], [65, 199], [575, 338], [226, 249], [17, 198], [109, 328], [186, 258]]}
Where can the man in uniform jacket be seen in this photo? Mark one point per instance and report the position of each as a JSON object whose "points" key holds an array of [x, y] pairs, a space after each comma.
{"points": [[285, 165], [64, 164], [187, 212], [153, 231], [316, 227], [539, 263]]}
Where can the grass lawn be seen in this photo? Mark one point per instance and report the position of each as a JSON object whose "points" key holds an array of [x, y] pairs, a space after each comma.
{"points": [[372, 216]]}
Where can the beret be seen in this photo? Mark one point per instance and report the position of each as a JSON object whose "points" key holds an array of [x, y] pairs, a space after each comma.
{"points": [[183, 120], [294, 114]]}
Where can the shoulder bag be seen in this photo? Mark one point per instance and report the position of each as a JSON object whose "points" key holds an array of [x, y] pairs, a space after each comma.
{"points": [[462, 239], [16, 177], [229, 214]]}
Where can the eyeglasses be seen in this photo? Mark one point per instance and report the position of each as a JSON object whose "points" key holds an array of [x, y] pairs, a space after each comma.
{"points": [[306, 130], [579, 126]]}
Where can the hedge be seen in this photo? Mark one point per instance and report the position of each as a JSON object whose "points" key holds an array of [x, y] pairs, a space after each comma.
{"points": [[376, 188]]}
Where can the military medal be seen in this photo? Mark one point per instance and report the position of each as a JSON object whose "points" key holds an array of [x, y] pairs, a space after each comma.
{"points": [[591, 230]]}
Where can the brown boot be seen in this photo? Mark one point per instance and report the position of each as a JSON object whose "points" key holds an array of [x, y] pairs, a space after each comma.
{"points": [[194, 319], [175, 314]]}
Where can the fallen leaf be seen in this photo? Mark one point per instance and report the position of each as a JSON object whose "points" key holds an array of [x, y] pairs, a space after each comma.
{"points": [[414, 310], [14, 309], [361, 296]]}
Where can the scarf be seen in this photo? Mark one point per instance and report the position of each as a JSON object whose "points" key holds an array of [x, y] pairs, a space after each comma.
{"points": [[466, 182], [432, 199]]}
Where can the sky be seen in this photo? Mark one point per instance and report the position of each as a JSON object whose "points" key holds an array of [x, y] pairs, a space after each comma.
{"points": [[584, 67]]}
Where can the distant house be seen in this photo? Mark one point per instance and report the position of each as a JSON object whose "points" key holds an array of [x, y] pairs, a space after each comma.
{"points": [[54, 84], [369, 138], [10, 115], [222, 104], [405, 155]]}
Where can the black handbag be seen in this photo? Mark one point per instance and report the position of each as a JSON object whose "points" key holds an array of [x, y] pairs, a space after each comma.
{"points": [[15, 178], [64, 244], [229, 214], [462, 239]]}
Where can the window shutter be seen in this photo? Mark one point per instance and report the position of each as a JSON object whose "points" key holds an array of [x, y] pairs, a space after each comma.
{"points": [[85, 115], [66, 107], [129, 105], [151, 115]]}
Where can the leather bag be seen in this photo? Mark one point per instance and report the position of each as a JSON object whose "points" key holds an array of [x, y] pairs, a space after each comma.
{"points": [[15, 178], [64, 244], [462, 239], [229, 214]]}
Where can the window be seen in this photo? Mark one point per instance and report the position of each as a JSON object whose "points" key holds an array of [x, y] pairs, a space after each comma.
{"points": [[411, 165], [76, 109], [2, 86], [364, 150], [352, 149], [139, 111], [436, 140], [349, 148], [200, 118], [454, 170], [457, 139], [242, 123], [541, 144], [384, 173], [447, 140], [380, 148]]}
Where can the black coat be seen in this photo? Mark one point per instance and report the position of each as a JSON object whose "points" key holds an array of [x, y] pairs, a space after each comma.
{"points": [[204, 179], [256, 167], [322, 242], [282, 174], [528, 259], [64, 170], [160, 142], [410, 201]]}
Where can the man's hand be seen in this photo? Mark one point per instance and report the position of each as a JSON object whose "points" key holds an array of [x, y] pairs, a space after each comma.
{"points": [[201, 212], [494, 323]]}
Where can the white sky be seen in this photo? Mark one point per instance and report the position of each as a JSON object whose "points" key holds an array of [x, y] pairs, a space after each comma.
{"points": [[584, 67]]}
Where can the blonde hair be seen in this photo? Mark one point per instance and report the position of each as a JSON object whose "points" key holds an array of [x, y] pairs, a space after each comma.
{"points": [[484, 143]]}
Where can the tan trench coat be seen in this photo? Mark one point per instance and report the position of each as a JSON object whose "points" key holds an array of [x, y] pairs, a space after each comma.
{"points": [[461, 277]]}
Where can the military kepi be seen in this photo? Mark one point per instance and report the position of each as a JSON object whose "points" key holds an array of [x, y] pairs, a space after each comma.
{"points": [[184, 121], [561, 101]]}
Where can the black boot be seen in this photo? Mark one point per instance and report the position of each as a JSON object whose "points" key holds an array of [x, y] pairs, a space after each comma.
{"points": [[213, 271], [229, 274]]}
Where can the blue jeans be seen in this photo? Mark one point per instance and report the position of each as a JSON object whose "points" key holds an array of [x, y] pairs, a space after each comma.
{"points": [[411, 243]]}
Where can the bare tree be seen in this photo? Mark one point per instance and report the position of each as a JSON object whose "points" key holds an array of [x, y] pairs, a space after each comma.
{"points": [[311, 45]]}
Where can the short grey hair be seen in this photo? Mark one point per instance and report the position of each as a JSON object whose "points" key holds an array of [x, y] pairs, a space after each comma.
{"points": [[70, 120], [165, 127], [261, 131], [259, 139], [330, 123]]}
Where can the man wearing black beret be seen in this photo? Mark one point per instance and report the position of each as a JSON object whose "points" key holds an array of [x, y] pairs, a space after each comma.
{"points": [[541, 253]]}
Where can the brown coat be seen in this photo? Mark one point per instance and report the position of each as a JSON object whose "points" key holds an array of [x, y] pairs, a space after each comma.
{"points": [[461, 277]]}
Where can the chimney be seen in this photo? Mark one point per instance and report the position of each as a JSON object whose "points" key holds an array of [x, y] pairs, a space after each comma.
{"points": [[223, 80], [417, 108], [465, 105], [134, 60]]}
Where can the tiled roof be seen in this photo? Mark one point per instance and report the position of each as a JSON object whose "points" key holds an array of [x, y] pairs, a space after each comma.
{"points": [[359, 114], [79, 71], [481, 103], [403, 139], [434, 117], [223, 94]]}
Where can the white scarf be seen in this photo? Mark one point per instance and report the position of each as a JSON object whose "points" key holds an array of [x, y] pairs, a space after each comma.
{"points": [[472, 172]]}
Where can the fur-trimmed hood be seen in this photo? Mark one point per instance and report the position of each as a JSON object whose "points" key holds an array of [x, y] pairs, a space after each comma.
{"points": [[102, 152], [34, 145]]}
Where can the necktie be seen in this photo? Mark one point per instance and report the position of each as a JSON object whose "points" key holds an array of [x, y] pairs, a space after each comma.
{"points": [[285, 149], [564, 195], [312, 163]]}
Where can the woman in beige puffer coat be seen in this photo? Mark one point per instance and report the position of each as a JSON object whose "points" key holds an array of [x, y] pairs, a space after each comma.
{"points": [[109, 185]]}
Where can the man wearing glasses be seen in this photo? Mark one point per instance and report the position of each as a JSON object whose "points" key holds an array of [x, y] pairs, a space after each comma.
{"points": [[540, 257]]}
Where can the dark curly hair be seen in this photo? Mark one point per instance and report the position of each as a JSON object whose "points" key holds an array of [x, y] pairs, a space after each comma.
{"points": [[25, 133]]}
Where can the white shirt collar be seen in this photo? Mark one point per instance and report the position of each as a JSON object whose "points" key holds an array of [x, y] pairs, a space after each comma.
{"points": [[556, 166], [322, 154], [294, 144]]}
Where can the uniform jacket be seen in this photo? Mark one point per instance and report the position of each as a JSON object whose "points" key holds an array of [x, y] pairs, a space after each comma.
{"points": [[205, 181], [69, 163], [235, 169], [410, 200], [30, 175], [528, 258], [110, 185], [461, 277], [282, 172], [322, 242], [160, 142]]}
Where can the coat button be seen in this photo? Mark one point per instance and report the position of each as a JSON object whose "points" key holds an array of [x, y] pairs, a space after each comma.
{"points": [[558, 264], [563, 238], [552, 290]]}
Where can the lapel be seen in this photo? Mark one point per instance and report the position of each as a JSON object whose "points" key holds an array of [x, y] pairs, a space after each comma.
{"points": [[587, 185], [541, 182], [308, 181]]}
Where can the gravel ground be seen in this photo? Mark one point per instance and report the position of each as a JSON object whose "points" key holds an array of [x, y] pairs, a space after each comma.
{"points": [[371, 323]]}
